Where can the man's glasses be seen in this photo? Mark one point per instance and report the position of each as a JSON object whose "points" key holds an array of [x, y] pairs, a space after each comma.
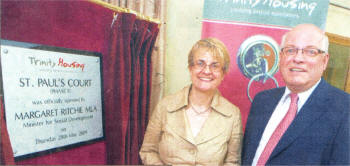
{"points": [[201, 65], [310, 52]]}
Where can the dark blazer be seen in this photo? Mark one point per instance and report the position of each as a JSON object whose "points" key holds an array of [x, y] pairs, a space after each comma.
{"points": [[319, 134]]}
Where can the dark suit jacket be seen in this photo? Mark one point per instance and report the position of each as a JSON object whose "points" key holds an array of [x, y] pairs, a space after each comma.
{"points": [[319, 134]]}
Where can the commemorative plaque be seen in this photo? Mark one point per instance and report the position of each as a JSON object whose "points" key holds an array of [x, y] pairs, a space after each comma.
{"points": [[52, 98]]}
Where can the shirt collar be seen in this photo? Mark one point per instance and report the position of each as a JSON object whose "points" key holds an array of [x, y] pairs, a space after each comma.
{"points": [[303, 96], [181, 101]]}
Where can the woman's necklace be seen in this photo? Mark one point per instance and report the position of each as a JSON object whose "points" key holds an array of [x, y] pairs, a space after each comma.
{"points": [[198, 112]]}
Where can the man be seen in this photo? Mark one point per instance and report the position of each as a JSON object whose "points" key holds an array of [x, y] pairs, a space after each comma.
{"points": [[306, 122]]}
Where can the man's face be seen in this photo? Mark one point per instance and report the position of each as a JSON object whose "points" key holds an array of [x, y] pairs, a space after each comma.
{"points": [[301, 72]]}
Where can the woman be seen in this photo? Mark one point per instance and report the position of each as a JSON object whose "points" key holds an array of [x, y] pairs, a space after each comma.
{"points": [[196, 126]]}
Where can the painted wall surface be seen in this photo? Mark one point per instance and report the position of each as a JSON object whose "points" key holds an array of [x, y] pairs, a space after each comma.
{"points": [[338, 21], [184, 29]]}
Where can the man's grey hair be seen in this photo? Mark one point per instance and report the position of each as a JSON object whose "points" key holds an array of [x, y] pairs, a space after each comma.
{"points": [[324, 46]]}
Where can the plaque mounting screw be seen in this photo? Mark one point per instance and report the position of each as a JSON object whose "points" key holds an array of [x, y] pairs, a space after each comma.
{"points": [[6, 51]]}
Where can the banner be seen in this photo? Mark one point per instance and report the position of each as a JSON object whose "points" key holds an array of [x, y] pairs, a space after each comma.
{"points": [[252, 31], [52, 98]]}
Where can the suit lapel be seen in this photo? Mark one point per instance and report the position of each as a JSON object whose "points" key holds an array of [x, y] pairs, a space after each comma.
{"points": [[177, 124], [175, 115], [308, 114], [212, 127], [215, 124], [258, 118]]}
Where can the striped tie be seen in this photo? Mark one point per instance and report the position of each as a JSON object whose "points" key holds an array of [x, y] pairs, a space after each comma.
{"points": [[281, 128]]}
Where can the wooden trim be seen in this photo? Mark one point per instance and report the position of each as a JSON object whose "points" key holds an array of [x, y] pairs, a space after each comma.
{"points": [[125, 10], [347, 79], [337, 39]]}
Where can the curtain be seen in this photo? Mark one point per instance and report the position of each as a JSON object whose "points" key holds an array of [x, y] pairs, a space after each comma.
{"points": [[117, 86], [132, 133], [6, 154], [143, 40], [127, 72], [155, 9]]}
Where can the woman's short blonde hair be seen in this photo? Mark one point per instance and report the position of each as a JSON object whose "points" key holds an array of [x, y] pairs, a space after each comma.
{"points": [[216, 47]]}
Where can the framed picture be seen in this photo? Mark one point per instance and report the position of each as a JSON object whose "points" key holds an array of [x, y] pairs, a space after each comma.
{"points": [[337, 72]]}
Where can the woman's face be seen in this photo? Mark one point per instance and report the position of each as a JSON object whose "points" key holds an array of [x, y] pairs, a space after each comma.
{"points": [[206, 72]]}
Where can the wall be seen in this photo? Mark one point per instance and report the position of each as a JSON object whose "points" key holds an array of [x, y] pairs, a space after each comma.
{"points": [[338, 20], [183, 29]]}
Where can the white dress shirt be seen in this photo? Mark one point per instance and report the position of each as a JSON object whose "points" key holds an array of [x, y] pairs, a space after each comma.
{"points": [[277, 116]]}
